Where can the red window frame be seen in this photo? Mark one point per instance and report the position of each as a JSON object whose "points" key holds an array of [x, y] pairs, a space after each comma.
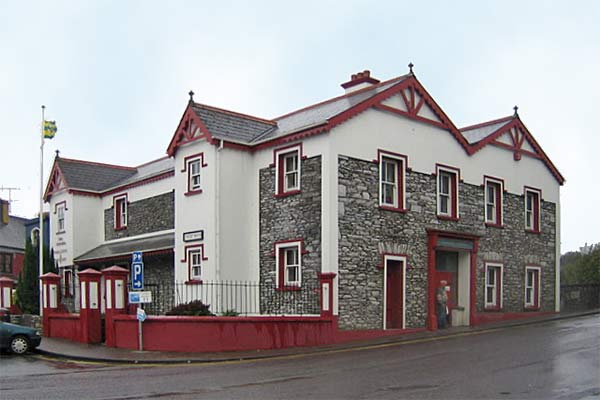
{"points": [[496, 270], [60, 208], [536, 195], [279, 158], [498, 185], [187, 259], [187, 162], [400, 161], [121, 211], [280, 249], [454, 173], [535, 296]]}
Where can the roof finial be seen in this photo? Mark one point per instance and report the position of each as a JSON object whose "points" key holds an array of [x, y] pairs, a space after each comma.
{"points": [[191, 93], [57, 153], [516, 108], [410, 66]]}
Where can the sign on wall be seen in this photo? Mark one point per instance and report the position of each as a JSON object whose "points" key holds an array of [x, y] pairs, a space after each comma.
{"points": [[193, 236]]}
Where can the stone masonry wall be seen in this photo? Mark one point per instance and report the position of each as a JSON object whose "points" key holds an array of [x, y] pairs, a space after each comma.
{"points": [[366, 232], [297, 216], [144, 216]]}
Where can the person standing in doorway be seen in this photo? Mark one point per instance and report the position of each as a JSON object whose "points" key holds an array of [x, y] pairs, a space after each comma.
{"points": [[441, 297]]}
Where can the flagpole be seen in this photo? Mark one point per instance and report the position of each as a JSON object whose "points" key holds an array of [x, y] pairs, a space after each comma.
{"points": [[41, 236]]}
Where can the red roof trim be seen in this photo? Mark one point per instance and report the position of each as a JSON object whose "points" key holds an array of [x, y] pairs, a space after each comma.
{"points": [[342, 96], [517, 123], [122, 257], [181, 136], [55, 174], [481, 125]]}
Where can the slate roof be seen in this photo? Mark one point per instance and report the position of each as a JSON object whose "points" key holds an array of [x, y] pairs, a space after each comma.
{"points": [[245, 129], [12, 235], [126, 247], [476, 133], [96, 177], [223, 124], [84, 175]]}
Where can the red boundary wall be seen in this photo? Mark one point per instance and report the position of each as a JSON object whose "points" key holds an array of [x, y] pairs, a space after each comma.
{"points": [[66, 326], [208, 334]]}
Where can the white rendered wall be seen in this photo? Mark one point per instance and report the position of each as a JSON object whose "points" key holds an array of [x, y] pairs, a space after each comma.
{"points": [[195, 212], [62, 243], [88, 223]]}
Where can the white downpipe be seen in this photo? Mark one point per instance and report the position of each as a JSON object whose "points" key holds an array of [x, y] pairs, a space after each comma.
{"points": [[217, 214]]}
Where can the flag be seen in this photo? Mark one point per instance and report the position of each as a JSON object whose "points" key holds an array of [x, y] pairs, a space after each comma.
{"points": [[49, 129]]}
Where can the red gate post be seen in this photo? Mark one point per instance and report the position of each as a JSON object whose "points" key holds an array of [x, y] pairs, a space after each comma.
{"points": [[89, 316], [50, 299], [326, 280], [115, 279], [6, 287]]}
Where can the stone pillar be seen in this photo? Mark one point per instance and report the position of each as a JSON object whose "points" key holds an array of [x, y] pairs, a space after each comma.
{"points": [[89, 316], [326, 280], [115, 279], [50, 299], [6, 288]]}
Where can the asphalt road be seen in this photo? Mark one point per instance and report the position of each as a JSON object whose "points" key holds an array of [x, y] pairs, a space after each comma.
{"points": [[556, 360]]}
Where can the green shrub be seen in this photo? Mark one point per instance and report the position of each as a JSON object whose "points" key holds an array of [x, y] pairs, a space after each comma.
{"points": [[193, 308], [230, 313]]}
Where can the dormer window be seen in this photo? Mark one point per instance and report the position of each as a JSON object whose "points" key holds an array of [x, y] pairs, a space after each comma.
{"points": [[120, 206]]}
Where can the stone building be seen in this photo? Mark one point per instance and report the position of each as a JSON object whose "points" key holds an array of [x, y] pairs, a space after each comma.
{"points": [[377, 186]]}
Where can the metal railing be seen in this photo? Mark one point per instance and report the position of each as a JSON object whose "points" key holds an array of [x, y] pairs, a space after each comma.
{"points": [[246, 298]]}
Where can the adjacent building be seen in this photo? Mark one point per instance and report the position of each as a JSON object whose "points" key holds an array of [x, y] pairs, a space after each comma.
{"points": [[377, 186]]}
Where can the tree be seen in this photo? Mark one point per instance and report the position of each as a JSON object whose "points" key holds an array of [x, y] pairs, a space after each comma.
{"points": [[584, 268], [28, 289]]}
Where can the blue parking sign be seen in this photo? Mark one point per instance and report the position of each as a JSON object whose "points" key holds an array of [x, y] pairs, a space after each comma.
{"points": [[137, 271]]}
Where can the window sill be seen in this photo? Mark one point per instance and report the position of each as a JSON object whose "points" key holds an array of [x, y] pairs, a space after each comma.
{"points": [[194, 282], [447, 218], [289, 289], [192, 192], [285, 194], [120, 228], [532, 308], [533, 231], [392, 208], [494, 225], [60, 232]]}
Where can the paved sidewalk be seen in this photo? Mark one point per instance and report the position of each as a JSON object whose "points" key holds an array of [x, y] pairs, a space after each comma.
{"points": [[100, 353]]}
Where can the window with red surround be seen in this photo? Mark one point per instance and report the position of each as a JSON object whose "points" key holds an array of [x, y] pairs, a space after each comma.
{"points": [[194, 257], [493, 286], [288, 170], [494, 189], [392, 178], [121, 209], [192, 166], [532, 209], [532, 288], [288, 259], [60, 217], [447, 192]]}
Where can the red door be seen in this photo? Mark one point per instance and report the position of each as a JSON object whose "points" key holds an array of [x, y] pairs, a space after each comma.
{"points": [[395, 295]]}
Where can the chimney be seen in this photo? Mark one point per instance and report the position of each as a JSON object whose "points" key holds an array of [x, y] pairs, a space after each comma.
{"points": [[4, 211], [359, 81]]}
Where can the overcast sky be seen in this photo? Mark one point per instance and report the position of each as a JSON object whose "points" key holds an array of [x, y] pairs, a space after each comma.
{"points": [[115, 74]]}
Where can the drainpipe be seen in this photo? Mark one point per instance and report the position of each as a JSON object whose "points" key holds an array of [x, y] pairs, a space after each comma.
{"points": [[217, 214]]}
